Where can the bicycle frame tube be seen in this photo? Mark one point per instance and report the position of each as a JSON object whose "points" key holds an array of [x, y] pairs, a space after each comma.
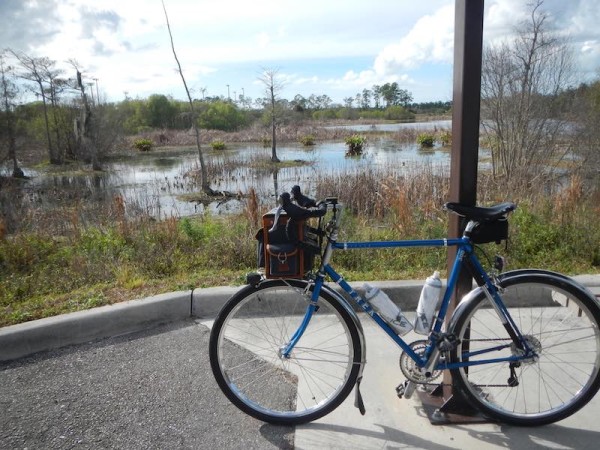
{"points": [[465, 248], [371, 312], [396, 244], [461, 243], [312, 307]]}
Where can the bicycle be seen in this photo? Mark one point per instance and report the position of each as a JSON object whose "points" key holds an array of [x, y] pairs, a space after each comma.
{"points": [[523, 347]]}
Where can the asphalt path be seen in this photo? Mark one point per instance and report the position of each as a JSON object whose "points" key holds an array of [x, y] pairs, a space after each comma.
{"points": [[147, 390]]}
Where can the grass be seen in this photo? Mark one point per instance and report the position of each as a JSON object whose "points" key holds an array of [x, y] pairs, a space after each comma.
{"points": [[44, 275], [70, 264]]}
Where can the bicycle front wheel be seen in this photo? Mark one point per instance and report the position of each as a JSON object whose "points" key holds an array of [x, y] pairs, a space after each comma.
{"points": [[560, 321], [246, 353]]}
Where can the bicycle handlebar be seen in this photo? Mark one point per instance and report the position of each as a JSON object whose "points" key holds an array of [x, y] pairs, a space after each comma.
{"points": [[298, 212]]}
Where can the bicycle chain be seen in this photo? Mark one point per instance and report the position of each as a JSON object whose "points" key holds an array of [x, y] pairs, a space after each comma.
{"points": [[425, 383], [476, 385]]}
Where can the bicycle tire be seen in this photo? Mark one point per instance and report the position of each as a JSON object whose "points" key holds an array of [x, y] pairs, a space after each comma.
{"points": [[320, 372], [561, 321]]}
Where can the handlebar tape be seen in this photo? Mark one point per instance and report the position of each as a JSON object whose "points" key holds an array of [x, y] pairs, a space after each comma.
{"points": [[297, 212]]}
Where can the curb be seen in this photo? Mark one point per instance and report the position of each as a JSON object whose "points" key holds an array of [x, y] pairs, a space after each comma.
{"points": [[17, 341], [78, 327]]}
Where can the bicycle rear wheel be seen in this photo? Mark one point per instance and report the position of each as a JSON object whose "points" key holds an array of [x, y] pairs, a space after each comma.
{"points": [[560, 321], [246, 360]]}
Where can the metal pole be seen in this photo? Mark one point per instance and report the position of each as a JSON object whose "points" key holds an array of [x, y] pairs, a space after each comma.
{"points": [[468, 43]]}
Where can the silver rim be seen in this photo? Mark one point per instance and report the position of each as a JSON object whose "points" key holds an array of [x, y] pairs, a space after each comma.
{"points": [[563, 332], [249, 356]]}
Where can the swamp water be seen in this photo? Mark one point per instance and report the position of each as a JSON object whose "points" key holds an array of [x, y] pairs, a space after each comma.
{"points": [[162, 182]]}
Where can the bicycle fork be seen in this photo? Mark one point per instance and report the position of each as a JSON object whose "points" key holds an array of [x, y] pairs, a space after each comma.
{"points": [[312, 298]]}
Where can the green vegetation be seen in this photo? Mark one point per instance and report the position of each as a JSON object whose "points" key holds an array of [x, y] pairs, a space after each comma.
{"points": [[44, 131], [393, 113], [355, 144], [217, 145], [44, 275], [307, 140], [426, 139], [143, 145], [79, 253], [222, 115], [445, 137]]}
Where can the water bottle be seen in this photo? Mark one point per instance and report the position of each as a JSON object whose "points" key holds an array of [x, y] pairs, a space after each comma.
{"points": [[428, 301], [387, 309]]}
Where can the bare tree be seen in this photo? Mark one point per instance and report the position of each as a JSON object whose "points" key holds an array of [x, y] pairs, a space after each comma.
{"points": [[272, 87], [83, 125], [521, 114], [204, 173], [34, 71], [8, 92], [56, 86]]}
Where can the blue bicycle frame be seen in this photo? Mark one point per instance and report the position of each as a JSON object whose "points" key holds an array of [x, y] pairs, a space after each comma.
{"points": [[465, 252]]}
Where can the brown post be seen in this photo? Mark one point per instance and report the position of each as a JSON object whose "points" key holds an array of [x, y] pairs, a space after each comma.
{"points": [[468, 42]]}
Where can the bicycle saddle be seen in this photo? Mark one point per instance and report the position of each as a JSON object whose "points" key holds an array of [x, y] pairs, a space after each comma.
{"points": [[481, 212]]}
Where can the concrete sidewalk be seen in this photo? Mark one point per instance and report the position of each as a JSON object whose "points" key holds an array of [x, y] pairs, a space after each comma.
{"points": [[396, 423]]}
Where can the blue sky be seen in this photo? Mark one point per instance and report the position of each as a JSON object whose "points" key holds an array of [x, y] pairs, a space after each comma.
{"points": [[320, 47]]}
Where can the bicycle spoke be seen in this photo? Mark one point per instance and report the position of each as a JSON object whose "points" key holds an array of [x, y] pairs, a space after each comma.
{"points": [[318, 370], [543, 386]]}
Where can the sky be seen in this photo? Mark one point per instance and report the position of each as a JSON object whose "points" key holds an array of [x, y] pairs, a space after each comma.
{"points": [[331, 47]]}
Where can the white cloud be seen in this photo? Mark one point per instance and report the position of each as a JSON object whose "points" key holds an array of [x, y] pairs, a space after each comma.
{"points": [[263, 39], [431, 40], [368, 78], [342, 47], [502, 16]]}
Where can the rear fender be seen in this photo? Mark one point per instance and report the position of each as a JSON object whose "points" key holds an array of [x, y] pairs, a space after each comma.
{"points": [[558, 279]]}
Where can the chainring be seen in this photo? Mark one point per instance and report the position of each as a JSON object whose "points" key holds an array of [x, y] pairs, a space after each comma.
{"points": [[409, 367]]}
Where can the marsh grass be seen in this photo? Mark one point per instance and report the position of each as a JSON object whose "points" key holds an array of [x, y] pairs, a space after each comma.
{"points": [[73, 262]]}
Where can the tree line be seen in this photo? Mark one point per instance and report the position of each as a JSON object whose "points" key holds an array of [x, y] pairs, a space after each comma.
{"points": [[69, 118]]}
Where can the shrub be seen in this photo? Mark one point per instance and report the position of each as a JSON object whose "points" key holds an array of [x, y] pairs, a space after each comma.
{"points": [[425, 139], [307, 140], [355, 144], [217, 145], [143, 145]]}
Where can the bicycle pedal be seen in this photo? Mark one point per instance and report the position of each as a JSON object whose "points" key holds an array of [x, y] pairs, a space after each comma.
{"points": [[400, 390], [406, 389]]}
